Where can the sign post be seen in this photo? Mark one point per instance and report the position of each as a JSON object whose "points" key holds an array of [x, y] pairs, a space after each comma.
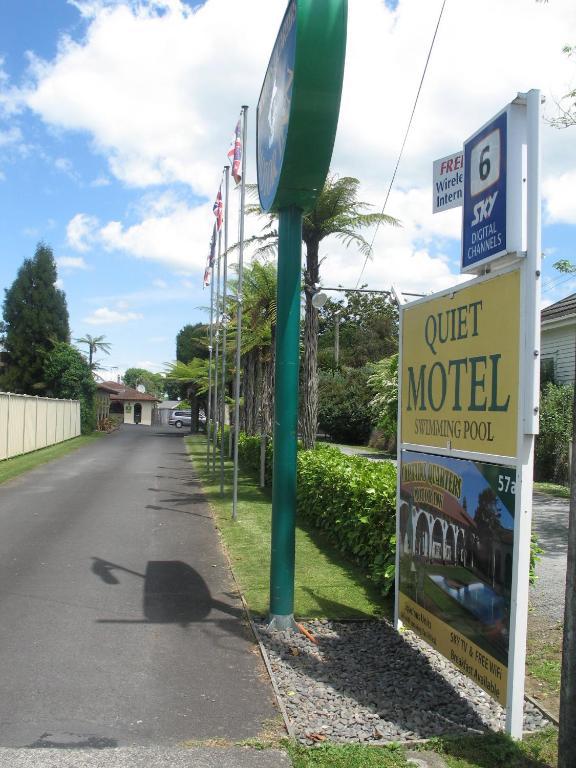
{"points": [[468, 413], [296, 126]]}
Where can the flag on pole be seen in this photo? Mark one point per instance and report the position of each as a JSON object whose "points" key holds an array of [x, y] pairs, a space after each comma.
{"points": [[235, 152], [211, 257], [217, 208]]}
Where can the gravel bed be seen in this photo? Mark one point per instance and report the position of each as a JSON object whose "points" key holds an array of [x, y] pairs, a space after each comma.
{"points": [[363, 682]]}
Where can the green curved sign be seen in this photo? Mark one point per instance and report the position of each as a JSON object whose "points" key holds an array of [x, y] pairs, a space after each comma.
{"points": [[299, 104]]}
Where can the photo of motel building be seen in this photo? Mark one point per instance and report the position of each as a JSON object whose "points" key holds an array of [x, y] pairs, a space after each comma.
{"points": [[436, 528]]}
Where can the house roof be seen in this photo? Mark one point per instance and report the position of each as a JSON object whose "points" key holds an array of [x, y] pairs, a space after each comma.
{"points": [[122, 392], [105, 387], [563, 308]]}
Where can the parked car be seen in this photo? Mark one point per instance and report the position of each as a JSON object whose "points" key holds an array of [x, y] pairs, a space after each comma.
{"points": [[180, 419]]}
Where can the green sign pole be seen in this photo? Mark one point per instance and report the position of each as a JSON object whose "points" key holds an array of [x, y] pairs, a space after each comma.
{"points": [[296, 126], [286, 417]]}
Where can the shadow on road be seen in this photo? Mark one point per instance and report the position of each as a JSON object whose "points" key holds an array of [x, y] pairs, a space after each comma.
{"points": [[174, 593]]}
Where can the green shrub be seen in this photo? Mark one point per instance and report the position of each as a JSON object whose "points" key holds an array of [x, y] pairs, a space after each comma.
{"points": [[68, 375], [551, 451], [344, 404], [353, 501], [249, 447]]}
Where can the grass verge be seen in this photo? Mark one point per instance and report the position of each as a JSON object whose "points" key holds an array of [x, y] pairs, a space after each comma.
{"points": [[10, 468], [487, 751], [326, 584], [561, 491]]}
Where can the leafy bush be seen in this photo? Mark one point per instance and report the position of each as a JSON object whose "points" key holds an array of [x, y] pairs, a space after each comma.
{"points": [[68, 375], [384, 384], [551, 451], [344, 404], [249, 447], [353, 501]]}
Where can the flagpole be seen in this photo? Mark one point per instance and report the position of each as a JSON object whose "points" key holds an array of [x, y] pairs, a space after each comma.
{"points": [[216, 414], [208, 415], [239, 317], [224, 324]]}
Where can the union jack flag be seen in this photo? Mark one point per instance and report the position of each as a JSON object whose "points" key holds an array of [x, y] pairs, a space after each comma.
{"points": [[235, 152], [217, 208], [211, 257]]}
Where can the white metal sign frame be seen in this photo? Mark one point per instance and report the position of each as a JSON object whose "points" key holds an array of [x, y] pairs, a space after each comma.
{"points": [[529, 360]]}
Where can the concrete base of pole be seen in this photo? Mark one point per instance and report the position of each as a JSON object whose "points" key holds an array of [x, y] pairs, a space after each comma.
{"points": [[281, 623]]}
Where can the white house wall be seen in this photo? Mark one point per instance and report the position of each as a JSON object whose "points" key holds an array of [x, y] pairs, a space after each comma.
{"points": [[147, 408], [558, 344]]}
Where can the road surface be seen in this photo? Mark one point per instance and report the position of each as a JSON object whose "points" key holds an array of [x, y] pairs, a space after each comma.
{"points": [[119, 623]]}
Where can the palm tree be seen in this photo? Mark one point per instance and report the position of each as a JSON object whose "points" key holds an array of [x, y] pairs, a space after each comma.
{"points": [[95, 344], [259, 311], [337, 212]]}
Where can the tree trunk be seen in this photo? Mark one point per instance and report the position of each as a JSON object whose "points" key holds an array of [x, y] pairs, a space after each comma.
{"points": [[247, 393], [259, 399], [567, 729], [268, 391], [309, 410]]}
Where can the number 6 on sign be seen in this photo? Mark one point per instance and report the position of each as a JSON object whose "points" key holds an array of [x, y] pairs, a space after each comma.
{"points": [[485, 163]]}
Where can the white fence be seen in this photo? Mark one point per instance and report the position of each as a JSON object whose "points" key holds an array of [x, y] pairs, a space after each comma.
{"points": [[28, 423]]}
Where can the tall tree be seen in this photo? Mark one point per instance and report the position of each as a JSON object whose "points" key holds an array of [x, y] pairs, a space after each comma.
{"points": [[68, 375], [152, 382], [35, 317], [367, 328], [337, 212], [259, 311], [191, 342], [567, 719], [95, 344], [567, 104]]}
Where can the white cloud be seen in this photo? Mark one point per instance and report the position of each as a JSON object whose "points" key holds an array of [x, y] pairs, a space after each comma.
{"points": [[560, 198], [65, 166], [177, 237], [81, 231], [71, 262], [100, 181], [149, 365], [10, 137], [172, 123], [155, 124], [106, 316]]}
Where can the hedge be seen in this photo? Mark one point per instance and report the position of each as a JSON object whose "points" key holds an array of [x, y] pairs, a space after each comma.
{"points": [[352, 500]]}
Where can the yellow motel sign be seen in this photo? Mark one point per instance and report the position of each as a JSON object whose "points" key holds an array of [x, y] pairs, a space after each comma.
{"points": [[460, 368]]}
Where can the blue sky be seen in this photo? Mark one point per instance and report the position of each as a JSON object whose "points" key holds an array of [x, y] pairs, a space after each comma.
{"points": [[116, 116]]}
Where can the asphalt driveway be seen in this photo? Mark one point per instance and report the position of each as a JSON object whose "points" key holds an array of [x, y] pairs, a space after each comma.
{"points": [[550, 523], [119, 622]]}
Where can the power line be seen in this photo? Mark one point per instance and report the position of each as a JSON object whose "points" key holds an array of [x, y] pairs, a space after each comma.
{"points": [[405, 138]]}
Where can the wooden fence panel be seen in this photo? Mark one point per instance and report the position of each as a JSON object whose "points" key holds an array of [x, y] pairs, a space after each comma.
{"points": [[4, 405], [29, 439], [41, 423], [28, 423]]}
